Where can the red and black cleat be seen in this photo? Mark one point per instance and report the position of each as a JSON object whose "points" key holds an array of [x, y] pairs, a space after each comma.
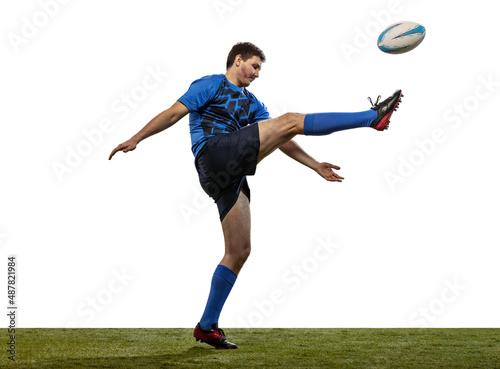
{"points": [[385, 110], [214, 337]]}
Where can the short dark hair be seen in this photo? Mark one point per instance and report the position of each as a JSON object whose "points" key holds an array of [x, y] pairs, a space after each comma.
{"points": [[246, 50]]}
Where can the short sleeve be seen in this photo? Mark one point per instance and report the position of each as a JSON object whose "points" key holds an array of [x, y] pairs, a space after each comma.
{"points": [[200, 93], [261, 112]]}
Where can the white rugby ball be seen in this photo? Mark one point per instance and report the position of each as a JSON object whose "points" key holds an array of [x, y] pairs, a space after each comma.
{"points": [[401, 37]]}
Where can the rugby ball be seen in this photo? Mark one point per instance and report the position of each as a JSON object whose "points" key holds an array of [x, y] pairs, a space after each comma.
{"points": [[401, 37]]}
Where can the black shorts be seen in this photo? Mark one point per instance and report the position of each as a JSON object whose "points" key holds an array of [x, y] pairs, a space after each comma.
{"points": [[223, 164]]}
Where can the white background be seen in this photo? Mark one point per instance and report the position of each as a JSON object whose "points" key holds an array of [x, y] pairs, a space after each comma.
{"points": [[409, 238]]}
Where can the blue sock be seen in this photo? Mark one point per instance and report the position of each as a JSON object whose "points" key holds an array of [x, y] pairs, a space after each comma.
{"points": [[222, 283], [318, 124]]}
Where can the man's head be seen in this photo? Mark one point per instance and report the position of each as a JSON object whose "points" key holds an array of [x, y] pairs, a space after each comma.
{"points": [[244, 63]]}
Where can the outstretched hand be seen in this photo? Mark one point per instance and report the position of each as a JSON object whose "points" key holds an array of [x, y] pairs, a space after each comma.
{"points": [[127, 146], [325, 170]]}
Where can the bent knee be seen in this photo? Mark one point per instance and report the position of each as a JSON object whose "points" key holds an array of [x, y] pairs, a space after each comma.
{"points": [[241, 254], [290, 116], [293, 121], [244, 253]]}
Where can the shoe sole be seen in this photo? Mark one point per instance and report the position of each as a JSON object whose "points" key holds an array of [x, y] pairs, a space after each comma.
{"points": [[208, 343], [384, 122]]}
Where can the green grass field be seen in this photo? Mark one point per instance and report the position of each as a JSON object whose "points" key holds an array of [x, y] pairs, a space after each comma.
{"points": [[258, 348]]}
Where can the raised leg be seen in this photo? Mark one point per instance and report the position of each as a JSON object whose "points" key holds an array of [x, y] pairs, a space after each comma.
{"points": [[275, 132]]}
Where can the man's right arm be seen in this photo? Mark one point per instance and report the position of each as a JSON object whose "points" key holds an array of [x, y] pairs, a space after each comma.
{"points": [[159, 123]]}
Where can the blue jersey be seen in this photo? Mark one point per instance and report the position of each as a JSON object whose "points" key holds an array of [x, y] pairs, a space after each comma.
{"points": [[217, 106]]}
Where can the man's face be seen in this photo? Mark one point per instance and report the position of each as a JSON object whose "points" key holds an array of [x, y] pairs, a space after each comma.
{"points": [[249, 70]]}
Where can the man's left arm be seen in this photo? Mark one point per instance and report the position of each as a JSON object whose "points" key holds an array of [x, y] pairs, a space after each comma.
{"points": [[293, 150]]}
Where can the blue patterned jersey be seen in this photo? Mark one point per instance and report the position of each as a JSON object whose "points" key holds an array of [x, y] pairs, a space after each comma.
{"points": [[217, 106]]}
